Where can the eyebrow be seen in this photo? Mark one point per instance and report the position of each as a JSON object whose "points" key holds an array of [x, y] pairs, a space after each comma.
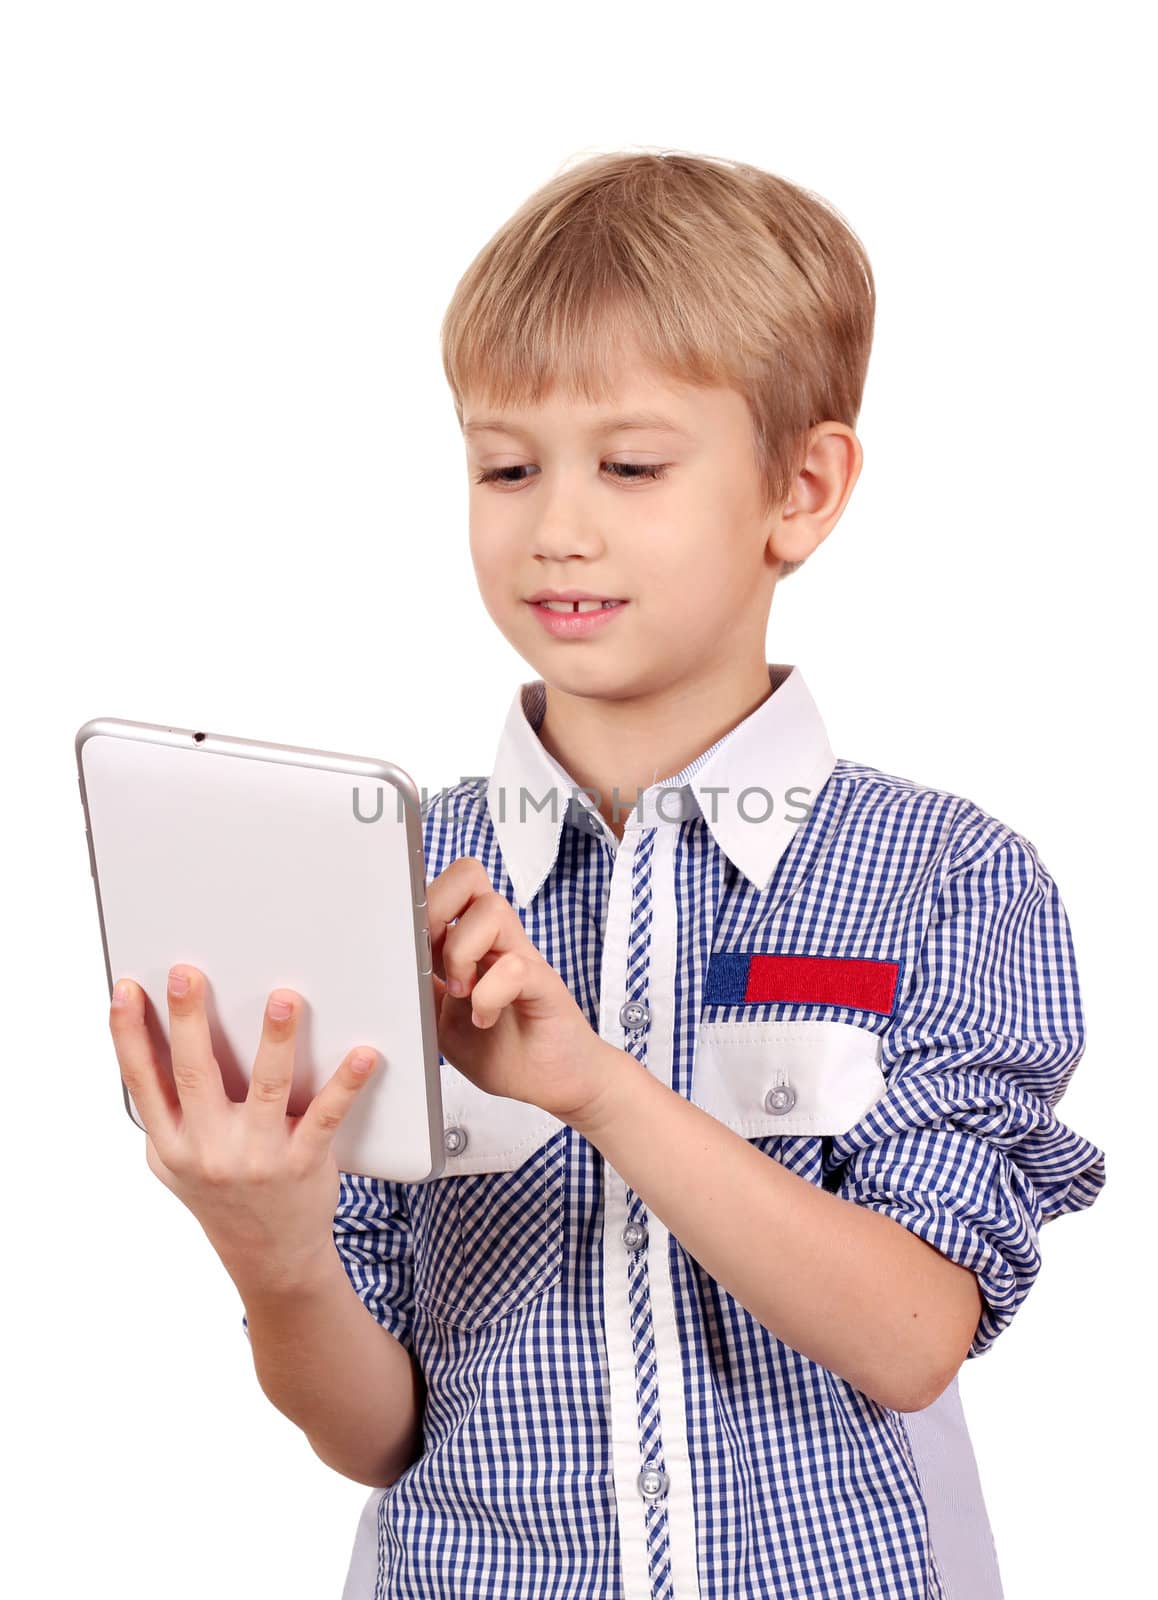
{"points": [[636, 420]]}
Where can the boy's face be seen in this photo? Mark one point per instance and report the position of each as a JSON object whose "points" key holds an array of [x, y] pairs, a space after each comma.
{"points": [[569, 503]]}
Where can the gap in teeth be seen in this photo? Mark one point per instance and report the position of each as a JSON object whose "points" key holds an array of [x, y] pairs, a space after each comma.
{"points": [[577, 605]]}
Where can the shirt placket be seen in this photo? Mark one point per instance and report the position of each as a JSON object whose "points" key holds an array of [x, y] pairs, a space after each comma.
{"points": [[649, 1444]]}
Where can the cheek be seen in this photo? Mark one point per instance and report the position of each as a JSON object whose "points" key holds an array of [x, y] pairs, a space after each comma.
{"points": [[495, 580], [485, 559], [702, 579]]}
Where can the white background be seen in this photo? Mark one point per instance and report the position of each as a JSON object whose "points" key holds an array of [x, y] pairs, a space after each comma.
{"points": [[234, 497]]}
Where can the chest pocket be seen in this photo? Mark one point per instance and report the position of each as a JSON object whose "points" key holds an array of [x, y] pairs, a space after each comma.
{"points": [[787, 1078], [488, 1232]]}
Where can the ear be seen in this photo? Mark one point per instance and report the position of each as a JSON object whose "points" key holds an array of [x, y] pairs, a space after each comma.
{"points": [[819, 492]]}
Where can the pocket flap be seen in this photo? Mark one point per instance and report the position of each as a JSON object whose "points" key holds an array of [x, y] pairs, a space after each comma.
{"points": [[488, 1132], [791, 1078]]}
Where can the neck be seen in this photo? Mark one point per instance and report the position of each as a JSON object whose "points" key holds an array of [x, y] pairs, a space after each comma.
{"points": [[618, 748]]}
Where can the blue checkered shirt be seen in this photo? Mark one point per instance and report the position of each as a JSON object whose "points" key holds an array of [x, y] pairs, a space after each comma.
{"points": [[870, 980]]}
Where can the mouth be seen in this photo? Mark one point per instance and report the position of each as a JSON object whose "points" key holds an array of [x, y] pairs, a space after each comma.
{"points": [[575, 607], [574, 620]]}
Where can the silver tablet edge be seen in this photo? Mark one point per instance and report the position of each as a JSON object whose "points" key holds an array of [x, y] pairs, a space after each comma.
{"points": [[335, 761]]}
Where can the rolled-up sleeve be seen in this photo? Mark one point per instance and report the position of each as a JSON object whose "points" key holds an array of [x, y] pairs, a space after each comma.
{"points": [[964, 1147], [373, 1239]]}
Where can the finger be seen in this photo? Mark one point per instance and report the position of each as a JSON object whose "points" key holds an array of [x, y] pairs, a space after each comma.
{"points": [[487, 929], [498, 988], [195, 1070], [483, 929], [450, 895], [153, 1094], [445, 1003], [325, 1113], [440, 992], [273, 1067]]}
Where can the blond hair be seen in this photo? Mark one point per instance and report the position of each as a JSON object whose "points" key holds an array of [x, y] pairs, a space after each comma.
{"points": [[720, 272]]}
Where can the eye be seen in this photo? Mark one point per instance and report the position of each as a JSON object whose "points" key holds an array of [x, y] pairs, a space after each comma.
{"points": [[634, 472]]}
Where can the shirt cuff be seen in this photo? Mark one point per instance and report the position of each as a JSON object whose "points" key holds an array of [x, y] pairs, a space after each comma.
{"points": [[975, 1167]]}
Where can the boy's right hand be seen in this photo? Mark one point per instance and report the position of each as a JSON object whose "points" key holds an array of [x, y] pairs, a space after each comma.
{"points": [[263, 1185]]}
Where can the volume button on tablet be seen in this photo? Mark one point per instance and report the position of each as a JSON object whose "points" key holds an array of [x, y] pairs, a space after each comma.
{"points": [[427, 963]]}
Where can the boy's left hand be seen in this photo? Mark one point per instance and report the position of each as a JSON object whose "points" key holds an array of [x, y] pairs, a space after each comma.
{"points": [[531, 1041]]}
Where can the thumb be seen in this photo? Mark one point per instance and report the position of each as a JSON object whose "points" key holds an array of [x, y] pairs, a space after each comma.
{"points": [[448, 1018], [443, 999]]}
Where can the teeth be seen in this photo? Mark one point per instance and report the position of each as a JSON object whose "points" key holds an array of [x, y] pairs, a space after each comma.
{"points": [[577, 605]]}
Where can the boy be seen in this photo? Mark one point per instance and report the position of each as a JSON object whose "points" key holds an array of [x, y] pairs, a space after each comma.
{"points": [[749, 1070]]}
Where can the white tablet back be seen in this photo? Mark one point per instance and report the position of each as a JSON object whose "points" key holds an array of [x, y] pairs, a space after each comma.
{"points": [[266, 867]]}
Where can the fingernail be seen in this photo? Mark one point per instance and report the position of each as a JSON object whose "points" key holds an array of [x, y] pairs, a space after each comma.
{"points": [[363, 1061], [178, 983], [120, 994], [279, 1010], [456, 986]]}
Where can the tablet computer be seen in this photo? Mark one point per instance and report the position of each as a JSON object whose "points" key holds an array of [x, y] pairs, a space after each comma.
{"points": [[267, 866]]}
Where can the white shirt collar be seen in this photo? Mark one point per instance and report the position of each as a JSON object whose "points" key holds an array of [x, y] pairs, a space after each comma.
{"points": [[780, 754]]}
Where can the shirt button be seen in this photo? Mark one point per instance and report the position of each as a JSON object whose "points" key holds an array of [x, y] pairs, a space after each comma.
{"points": [[586, 819], [634, 1014], [780, 1099], [652, 1483], [455, 1141], [634, 1235]]}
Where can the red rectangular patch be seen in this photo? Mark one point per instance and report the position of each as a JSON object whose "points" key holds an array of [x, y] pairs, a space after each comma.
{"points": [[823, 980]]}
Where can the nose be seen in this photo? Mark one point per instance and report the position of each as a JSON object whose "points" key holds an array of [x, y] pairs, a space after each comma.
{"points": [[564, 528]]}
